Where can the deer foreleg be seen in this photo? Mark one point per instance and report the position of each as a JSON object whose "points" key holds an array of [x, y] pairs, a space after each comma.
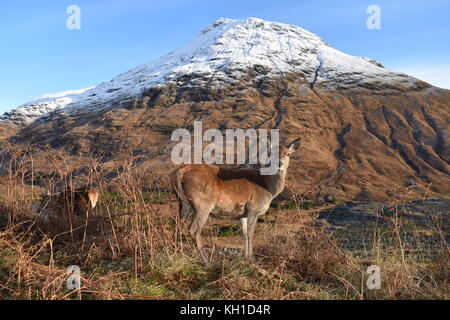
{"points": [[245, 234]]}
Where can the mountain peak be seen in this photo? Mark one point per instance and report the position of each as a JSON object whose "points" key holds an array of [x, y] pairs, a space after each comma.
{"points": [[257, 23]]}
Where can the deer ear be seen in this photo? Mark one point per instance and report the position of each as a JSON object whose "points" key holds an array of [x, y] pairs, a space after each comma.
{"points": [[93, 197], [294, 145]]}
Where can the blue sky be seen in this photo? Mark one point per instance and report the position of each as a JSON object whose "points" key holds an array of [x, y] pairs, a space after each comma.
{"points": [[39, 54]]}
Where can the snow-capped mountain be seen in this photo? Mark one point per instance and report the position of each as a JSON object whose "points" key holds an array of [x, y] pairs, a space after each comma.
{"points": [[222, 52]]}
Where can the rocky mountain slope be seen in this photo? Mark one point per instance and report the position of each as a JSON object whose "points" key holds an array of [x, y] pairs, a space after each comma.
{"points": [[366, 130]]}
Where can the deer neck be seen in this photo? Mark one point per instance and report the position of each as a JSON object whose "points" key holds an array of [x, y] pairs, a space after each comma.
{"points": [[276, 182]]}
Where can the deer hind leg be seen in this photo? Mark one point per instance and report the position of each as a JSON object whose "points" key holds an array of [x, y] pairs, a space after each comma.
{"points": [[200, 216]]}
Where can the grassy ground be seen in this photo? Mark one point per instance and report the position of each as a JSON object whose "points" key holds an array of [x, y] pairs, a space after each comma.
{"points": [[299, 256]]}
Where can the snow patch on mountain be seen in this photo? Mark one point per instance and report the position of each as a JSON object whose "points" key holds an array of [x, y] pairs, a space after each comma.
{"points": [[30, 111], [226, 47]]}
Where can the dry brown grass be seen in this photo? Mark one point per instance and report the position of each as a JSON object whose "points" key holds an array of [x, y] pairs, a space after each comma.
{"points": [[134, 247]]}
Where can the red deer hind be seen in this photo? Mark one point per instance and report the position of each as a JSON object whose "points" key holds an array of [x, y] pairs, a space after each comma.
{"points": [[246, 193], [69, 203]]}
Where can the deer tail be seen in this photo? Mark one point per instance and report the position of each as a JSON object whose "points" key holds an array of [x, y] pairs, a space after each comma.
{"points": [[185, 205]]}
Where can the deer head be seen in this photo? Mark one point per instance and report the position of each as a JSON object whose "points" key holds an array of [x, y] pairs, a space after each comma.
{"points": [[285, 153]]}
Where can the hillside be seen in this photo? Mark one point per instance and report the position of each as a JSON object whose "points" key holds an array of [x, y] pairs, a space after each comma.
{"points": [[367, 131]]}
